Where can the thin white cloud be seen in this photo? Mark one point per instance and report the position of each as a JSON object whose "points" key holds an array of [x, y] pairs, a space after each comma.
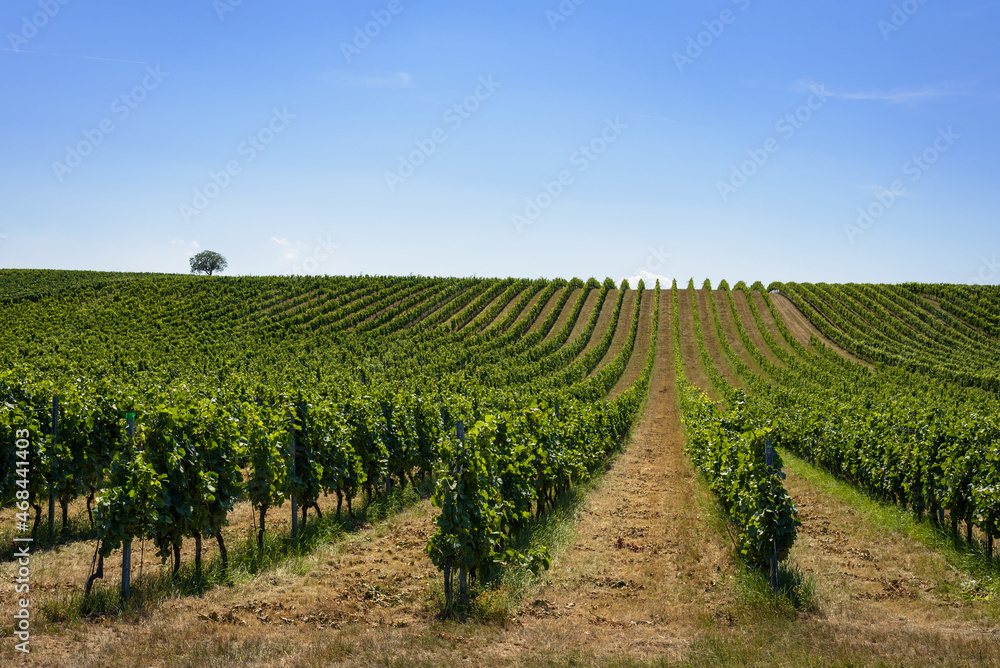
{"points": [[894, 96], [290, 250], [69, 55]]}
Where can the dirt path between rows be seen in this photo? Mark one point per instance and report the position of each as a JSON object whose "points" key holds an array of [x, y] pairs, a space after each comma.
{"points": [[733, 336], [643, 338], [589, 304], [506, 311], [801, 328], [621, 330], [503, 298], [711, 337], [642, 575], [565, 313], [546, 309], [693, 368], [746, 318], [603, 321]]}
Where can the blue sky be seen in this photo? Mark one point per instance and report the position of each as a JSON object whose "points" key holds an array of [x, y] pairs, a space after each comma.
{"points": [[738, 139]]}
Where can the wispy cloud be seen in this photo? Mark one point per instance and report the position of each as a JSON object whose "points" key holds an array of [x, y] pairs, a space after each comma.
{"points": [[71, 55], [291, 250], [894, 96]]}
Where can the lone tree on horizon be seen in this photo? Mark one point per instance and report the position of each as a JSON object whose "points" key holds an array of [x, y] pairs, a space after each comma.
{"points": [[208, 262]]}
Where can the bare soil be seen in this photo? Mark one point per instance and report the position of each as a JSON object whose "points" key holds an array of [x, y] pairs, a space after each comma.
{"points": [[746, 317], [496, 300], [693, 368], [603, 321], [564, 314], [642, 576], [711, 338], [581, 320], [801, 328], [544, 313], [621, 331], [733, 336], [505, 312], [643, 339]]}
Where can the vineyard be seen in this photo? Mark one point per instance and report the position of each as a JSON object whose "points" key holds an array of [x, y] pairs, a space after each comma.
{"points": [[168, 438]]}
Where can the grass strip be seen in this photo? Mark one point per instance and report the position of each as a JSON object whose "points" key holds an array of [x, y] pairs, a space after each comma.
{"points": [[982, 574]]}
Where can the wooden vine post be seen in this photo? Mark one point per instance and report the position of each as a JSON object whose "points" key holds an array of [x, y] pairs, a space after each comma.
{"points": [[127, 545], [52, 493], [463, 582], [295, 507], [769, 460]]}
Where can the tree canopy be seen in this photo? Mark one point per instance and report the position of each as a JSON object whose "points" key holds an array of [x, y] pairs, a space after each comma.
{"points": [[208, 262]]}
